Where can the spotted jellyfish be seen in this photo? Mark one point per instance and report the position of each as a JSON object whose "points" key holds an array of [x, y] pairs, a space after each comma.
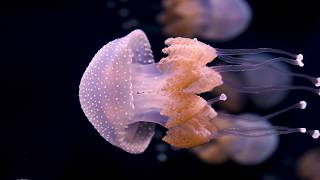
{"points": [[124, 93]]}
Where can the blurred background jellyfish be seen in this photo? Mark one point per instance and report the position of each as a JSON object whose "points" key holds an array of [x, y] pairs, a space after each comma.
{"points": [[276, 74], [218, 20], [309, 164], [246, 150], [241, 149], [124, 93]]}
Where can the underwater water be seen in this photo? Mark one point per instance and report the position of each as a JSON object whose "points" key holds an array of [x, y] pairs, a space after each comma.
{"points": [[45, 49]]}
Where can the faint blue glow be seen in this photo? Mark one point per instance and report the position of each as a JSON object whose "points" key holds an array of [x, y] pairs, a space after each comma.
{"points": [[123, 12], [110, 4], [162, 157], [161, 147], [132, 23]]}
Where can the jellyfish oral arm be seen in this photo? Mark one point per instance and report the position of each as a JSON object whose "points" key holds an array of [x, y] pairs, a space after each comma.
{"points": [[152, 116], [149, 100]]}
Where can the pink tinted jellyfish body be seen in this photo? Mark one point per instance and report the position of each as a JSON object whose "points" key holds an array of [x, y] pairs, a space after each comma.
{"points": [[209, 19], [124, 93]]}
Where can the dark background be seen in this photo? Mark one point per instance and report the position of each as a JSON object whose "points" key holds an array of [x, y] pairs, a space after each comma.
{"points": [[45, 48]]}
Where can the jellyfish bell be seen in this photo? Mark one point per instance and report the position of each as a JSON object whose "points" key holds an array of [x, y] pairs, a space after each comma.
{"points": [[226, 20], [106, 92], [209, 19], [124, 93]]}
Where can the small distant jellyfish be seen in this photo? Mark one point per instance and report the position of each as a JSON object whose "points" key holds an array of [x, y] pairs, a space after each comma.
{"points": [[309, 165], [219, 20], [124, 93]]}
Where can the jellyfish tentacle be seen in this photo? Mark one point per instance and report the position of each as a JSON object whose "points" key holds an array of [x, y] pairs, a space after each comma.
{"points": [[222, 97], [268, 88], [249, 67], [249, 61], [299, 105], [246, 61], [262, 131], [256, 51], [314, 80], [259, 130]]}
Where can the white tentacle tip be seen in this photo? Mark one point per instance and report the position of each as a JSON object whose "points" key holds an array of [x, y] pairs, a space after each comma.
{"points": [[299, 57], [303, 130], [223, 97], [303, 104], [299, 60], [300, 63], [316, 134], [317, 84]]}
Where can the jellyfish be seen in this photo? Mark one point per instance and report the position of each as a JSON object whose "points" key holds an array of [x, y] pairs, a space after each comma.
{"points": [[124, 93], [308, 164], [209, 19], [248, 150], [275, 74], [241, 149]]}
